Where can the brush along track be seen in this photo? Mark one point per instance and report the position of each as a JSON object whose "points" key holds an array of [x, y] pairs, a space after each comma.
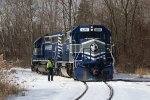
{"points": [[86, 88]]}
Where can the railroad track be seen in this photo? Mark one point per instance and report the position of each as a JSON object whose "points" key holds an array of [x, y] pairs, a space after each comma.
{"points": [[86, 88], [111, 93]]}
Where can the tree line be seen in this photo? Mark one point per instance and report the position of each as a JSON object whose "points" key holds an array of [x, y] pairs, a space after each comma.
{"points": [[22, 21]]}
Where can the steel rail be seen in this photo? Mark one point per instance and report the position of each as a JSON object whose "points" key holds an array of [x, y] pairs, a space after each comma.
{"points": [[86, 88], [111, 93]]}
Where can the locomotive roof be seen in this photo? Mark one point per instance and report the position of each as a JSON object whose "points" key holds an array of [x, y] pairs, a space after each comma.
{"points": [[40, 38], [37, 39]]}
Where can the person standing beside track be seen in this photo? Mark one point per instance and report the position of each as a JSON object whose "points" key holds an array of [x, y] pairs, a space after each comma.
{"points": [[49, 67]]}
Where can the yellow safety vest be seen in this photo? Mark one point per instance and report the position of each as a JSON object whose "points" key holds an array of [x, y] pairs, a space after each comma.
{"points": [[49, 64]]}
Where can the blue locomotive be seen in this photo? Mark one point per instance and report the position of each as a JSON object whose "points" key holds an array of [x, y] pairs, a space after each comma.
{"points": [[43, 48], [83, 53]]}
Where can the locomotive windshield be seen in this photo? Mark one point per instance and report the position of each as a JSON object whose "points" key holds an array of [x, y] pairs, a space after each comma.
{"points": [[90, 35], [51, 39], [86, 35]]}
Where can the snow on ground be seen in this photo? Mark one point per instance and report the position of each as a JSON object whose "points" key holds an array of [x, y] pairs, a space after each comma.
{"points": [[132, 77], [68, 89], [96, 91], [131, 90], [40, 89]]}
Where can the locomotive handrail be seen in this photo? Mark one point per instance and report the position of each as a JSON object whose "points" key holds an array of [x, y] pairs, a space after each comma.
{"points": [[78, 54], [84, 54]]}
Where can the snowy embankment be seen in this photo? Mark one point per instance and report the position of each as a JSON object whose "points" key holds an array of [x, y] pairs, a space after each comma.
{"points": [[41, 89], [68, 89]]}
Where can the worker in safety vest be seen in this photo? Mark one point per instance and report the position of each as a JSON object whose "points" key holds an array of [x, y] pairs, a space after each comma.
{"points": [[49, 67]]}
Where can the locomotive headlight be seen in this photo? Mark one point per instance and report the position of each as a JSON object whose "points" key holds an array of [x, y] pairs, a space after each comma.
{"points": [[94, 47]]}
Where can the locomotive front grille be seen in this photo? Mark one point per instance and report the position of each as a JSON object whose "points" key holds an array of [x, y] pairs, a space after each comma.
{"points": [[93, 50]]}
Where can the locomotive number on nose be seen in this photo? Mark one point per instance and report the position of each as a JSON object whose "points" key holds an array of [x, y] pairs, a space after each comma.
{"points": [[48, 47], [98, 29], [84, 29]]}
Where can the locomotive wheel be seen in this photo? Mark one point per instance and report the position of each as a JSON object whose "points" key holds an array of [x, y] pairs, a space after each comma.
{"points": [[57, 72], [37, 70], [69, 68], [32, 68]]}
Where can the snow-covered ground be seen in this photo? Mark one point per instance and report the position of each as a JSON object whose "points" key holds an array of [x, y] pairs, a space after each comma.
{"points": [[41, 89], [96, 91], [68, 89], [131, 91]]}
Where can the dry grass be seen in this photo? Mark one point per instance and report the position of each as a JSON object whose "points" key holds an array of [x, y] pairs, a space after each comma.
{"points": [[7, 89], [128, 69], [142, 71], [124, 69], [4, 63], [9, 64]]}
